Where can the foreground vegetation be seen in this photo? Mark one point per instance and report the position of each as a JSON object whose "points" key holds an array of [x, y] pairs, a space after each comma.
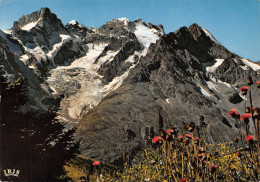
{"points": [[183, 154], [34, 144]]}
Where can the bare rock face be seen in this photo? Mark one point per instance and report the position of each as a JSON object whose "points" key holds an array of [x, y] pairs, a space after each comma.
{"points": [[118, 65], [43, 36], [47, 25], [5, 54], [77, 29], [171, 79], [115, 82]]}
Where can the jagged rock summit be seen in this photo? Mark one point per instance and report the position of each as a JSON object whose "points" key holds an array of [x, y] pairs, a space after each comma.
{"points": [[112, 82], [43, 18]]}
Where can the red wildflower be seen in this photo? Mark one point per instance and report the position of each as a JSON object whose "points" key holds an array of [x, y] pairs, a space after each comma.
{"points": [[170, 131], [237, 113], [213, 168], [258, 84], [231, 112], [157, 139], [96, 163], [188, 136], [245, 116], [185, 141], [197, 138], [245, 88], [249, 138], [167, 136], [183, 179], [238, 154], [202, 155]]}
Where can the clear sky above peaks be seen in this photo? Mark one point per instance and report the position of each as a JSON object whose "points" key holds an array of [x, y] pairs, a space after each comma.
{"points": [[234, 23]]}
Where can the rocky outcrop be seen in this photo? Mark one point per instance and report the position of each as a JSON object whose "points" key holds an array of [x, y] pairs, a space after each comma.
{"points": [[77, 29], [43, 25], [169, 80], [118, 65], [10, 66]]}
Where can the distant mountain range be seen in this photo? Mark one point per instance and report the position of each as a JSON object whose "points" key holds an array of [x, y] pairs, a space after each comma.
{"points": [[114, 82]]}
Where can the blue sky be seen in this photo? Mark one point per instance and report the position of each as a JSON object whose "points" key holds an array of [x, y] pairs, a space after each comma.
{"points": [[234, 23]]}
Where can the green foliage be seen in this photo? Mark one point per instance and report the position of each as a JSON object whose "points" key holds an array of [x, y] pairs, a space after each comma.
{"points": [[34, 143]]}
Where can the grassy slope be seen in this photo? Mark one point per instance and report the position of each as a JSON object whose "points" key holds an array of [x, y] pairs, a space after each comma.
{"points": [[80, 167]]}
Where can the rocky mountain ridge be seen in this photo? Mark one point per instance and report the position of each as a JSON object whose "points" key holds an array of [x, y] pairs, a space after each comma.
{"points": [[113, 82]]}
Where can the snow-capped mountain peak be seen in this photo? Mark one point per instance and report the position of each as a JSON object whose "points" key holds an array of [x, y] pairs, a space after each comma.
{"points": [[123, 19], [73, 22], [146, 35]]}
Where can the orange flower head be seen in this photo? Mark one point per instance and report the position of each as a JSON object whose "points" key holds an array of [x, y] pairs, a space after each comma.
{"points": [[238, 154], [96, 163], [157, 139], [237, 114], [249, 138], [197, 139], [183, 179], [202, 155], [185, 141], [169, 131], [245, 116], [245, 88], [231, 112], [167, 136], [179, 137], [188, 136]]}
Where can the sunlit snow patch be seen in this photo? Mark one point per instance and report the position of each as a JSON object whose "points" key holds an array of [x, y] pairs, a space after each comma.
{"points": [[116, 82], [36, 50], [73, 22], [210, 36], [204, 92], [124, 20], [254, 66], [225, 83], [213, 65], [14, 48], [212, 86], [64, 38], [145, 35], [107, 58], [29, 26], [88, 78], [24, 57], [130, 59]]}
